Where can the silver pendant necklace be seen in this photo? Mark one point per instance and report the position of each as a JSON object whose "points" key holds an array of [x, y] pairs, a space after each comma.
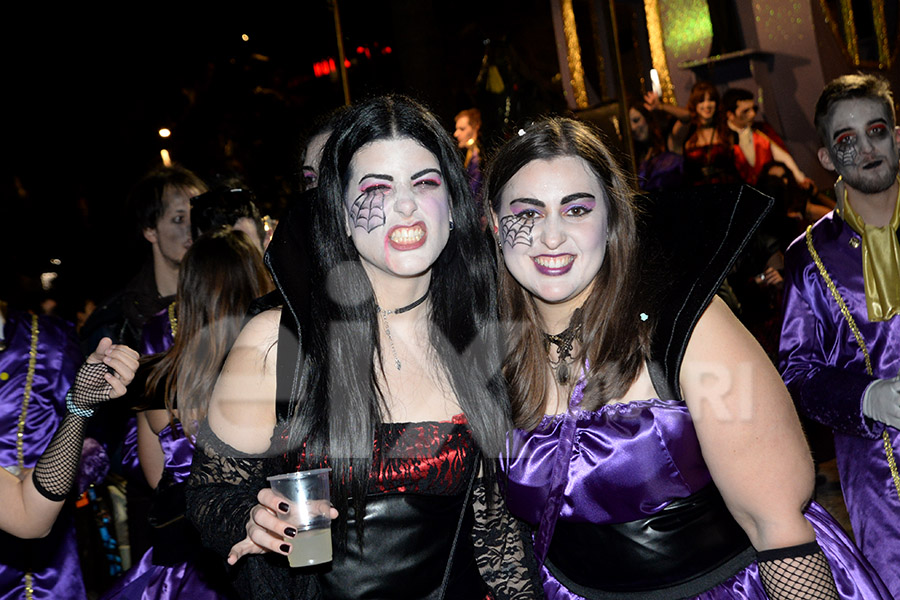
{"points": [[387, 328]]}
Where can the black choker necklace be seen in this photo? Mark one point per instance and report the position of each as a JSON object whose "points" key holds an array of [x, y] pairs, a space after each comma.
{"points": [[403, 309], [387, 328], [564, 342]]}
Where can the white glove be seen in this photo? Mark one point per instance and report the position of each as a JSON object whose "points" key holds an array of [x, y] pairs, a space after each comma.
{"points": [[881, 401]]}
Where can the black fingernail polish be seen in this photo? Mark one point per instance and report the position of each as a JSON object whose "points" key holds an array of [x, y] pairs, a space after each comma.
{"points": [[284, 507], [290, 531], [285, 548]]}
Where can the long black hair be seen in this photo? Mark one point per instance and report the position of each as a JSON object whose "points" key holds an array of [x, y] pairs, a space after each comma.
{"points": [[339, 404]]}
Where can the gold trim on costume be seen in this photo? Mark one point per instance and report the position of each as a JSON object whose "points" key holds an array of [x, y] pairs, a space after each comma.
{"points": [[26, 396], [173, 319], [20, 433], [888, 448]]}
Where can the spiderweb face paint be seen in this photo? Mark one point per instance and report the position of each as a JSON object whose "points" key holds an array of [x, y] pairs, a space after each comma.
{"points": [[846, 151], [367, 211], [516, 230]]}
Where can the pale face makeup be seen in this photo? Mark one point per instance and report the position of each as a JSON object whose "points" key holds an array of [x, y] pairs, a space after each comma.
{"points": [[172, 234], [464, 133], [639, 127], [863, 147], [553, 229], [398, 208], [312, 158]]}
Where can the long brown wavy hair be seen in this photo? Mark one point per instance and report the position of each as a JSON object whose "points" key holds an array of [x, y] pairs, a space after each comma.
{"points": [[220, 276], [614, 344], [698, 93]]}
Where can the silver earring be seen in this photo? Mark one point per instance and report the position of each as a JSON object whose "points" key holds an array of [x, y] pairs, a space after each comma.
{"points": [[451, 223]]}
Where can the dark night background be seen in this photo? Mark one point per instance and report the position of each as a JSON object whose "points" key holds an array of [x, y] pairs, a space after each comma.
{"points": [[88, 91]]}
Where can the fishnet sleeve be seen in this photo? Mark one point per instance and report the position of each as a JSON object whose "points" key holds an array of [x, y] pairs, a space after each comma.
{"points": [[57, 467], [798, 572], [503, 548], [220, 492]]}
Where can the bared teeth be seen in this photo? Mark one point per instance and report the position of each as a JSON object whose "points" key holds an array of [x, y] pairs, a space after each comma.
{"points": [[407, 235], [554, 262]]}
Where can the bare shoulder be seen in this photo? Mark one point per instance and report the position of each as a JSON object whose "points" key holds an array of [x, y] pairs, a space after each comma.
{"points": [[242, 408], [719, 336]]}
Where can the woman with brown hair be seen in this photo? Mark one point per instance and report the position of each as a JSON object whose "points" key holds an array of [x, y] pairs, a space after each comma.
{"points": [[221, 274], [701, 135], [658, 454]]}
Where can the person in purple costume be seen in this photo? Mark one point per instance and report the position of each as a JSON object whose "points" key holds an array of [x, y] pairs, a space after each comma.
{"points": [[645, 474], [41, 451], [840, 341], [221, 274]]}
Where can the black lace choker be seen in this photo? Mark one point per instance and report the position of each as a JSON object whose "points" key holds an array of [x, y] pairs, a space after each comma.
{"points": [[564, 342]]}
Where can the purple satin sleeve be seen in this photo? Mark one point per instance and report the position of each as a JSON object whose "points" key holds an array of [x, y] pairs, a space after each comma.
{"points": [[178, 450], [819, 358], [57, 359], [131, 464], [156, 335]]}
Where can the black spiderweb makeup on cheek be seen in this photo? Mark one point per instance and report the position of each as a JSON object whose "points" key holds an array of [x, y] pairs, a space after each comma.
{"points": [[516, 229], [845, 152], [368, 210]]}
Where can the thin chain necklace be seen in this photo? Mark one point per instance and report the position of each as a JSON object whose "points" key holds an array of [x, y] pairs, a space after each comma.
{"points": [[387, 328]]}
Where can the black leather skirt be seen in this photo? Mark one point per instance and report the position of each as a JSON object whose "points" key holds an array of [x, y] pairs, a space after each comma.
{"points": [[407, 540], [688, 547]]}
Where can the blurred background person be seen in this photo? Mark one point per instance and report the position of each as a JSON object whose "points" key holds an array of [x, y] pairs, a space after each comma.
{"points": [[658, 168], [220, 276], [466, 130], [39, 357]]}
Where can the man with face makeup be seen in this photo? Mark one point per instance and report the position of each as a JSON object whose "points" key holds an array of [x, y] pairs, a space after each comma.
{"points": [[840, 341]]}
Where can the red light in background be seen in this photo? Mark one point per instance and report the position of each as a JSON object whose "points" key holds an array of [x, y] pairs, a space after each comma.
{"points": [[323, 67], [386, 50], [347, 63], [360, 49]]}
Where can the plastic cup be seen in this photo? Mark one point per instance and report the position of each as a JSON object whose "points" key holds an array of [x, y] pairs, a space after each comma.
{"points": [[310, 498]]}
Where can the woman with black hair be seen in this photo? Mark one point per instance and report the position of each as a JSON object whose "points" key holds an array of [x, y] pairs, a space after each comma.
{"points": [[382, 364]]}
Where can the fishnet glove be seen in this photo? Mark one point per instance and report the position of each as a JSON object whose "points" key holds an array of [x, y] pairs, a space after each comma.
{"points": [[90, 388], [796, 572], [57, 468], [503, 548]]}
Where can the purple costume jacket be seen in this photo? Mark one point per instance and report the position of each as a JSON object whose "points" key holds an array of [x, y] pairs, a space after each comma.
{"points": [[825, 370], [50, 563]]}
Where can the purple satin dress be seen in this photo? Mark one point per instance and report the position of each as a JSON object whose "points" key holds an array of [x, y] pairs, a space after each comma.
{"points": [[146, 581], [157, 336], [825, 371], [51, 563], [629, 461]]}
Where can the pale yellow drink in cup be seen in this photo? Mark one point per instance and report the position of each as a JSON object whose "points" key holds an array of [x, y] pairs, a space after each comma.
{"points": [[310, 514]]}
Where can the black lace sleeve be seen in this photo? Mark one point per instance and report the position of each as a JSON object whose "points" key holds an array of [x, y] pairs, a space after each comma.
{"points": [[220, 492], [503, 548]]}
